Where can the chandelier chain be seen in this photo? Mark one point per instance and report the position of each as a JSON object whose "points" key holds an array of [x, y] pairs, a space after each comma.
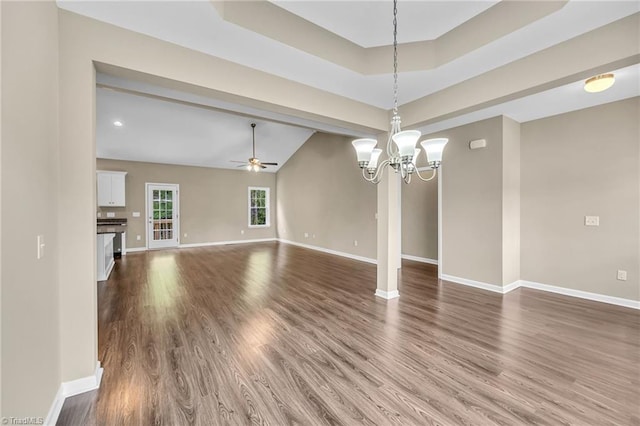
{"points": [[395, 57]]}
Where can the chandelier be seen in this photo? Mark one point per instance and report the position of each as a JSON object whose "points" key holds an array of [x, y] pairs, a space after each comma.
{"points": [[401, 146]]}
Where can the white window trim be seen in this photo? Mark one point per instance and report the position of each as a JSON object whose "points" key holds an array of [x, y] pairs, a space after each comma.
{"points": [[267, 206]]}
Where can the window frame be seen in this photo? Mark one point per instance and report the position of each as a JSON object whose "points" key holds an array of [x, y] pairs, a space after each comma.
{"points": [[267, 206]]}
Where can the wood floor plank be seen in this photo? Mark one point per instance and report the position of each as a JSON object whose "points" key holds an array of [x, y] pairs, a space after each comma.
{"points": [[274, 334]]}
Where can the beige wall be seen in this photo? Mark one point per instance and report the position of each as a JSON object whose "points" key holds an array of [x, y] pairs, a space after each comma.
{"points": [[576, 164], [30, 335], [420, 218], [321, 192], [213, 202], [472, 203]]}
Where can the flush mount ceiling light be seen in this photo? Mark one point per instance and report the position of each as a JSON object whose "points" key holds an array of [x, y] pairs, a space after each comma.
{"points": [[118, 123], [599, 83], [401, 145]]}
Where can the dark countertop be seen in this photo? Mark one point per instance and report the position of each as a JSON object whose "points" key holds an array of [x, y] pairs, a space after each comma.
{"points": [[112, 229]]}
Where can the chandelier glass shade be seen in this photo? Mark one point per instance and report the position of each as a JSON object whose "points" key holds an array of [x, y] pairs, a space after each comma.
{"points": [[402, 154]]}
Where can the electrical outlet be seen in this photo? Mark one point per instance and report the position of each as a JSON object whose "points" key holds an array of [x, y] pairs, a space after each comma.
{"points": [[136, 214], [592, 220], [622, 275], [242, 232], [138, 238], [355, 243], [185, 235], [306, 235], [313, 235]]}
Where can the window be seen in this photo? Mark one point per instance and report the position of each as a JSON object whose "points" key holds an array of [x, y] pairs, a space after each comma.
{"points": [[258, 207]]}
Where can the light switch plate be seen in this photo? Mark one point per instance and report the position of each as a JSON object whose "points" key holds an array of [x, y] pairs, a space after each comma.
{"points": [[111, 214], [622, 275], [40, 242], [136, 214], [592, 220]]}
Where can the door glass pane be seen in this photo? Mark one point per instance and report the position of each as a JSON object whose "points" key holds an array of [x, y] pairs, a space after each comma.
{"points": [[162, 213]]}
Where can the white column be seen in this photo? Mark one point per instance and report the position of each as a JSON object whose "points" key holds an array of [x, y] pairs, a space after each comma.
{"points": [[389, 234]]}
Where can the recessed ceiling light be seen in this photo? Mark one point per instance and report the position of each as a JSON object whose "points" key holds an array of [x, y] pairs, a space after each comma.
{"points": [[599, 83], [118, 123]]}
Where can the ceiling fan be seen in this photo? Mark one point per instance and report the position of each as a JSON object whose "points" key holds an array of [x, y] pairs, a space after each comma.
{"points": [[254, 164]]}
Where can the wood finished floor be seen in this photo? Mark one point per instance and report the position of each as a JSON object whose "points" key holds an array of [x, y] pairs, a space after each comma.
{"points": [[275, 334]]}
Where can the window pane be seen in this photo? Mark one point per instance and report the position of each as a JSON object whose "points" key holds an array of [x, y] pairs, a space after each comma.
{"points": [[169, 214], [262, 217], [169, 195]]}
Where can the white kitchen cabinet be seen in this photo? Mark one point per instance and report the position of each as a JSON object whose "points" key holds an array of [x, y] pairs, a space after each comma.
{"points": [[111, 189], [104, 250]]}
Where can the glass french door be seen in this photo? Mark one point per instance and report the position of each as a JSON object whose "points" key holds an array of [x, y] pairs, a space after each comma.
{"points": [[162, 214]]}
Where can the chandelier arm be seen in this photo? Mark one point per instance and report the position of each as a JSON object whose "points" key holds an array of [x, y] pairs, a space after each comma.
{"points": [[390, 146], [433, 175], [408, 178], [378, 173]]}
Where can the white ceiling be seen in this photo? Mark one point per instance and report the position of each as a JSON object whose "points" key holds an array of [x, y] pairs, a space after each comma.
{"points": [[197, 25], [211, 138], [567, 98], [167, 132], [369, 23]]}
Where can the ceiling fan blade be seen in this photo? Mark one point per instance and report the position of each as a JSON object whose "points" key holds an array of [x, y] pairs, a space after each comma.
{"points": [[242, 165], [262, 166], [270, 164], [236, 161]]}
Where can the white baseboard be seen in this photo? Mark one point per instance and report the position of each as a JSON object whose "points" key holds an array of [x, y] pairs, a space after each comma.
{"points": [[208, 244], [387, 294], [136, 249], [71, 388], [56, 407], [224, 243], [510, 287], [85, 384], [477, 284], [420, 259], [329, 251], [619, 301]]}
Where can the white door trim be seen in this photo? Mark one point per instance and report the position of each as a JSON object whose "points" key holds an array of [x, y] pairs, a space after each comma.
{"points": [[440, 254], [176, 209]]}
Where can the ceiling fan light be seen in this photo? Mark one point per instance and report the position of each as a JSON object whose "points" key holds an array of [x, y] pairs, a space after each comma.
{"points": [[599, 83]]}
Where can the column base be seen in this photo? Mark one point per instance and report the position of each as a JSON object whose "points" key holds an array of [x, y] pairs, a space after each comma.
{"points": [[387, 294]]}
